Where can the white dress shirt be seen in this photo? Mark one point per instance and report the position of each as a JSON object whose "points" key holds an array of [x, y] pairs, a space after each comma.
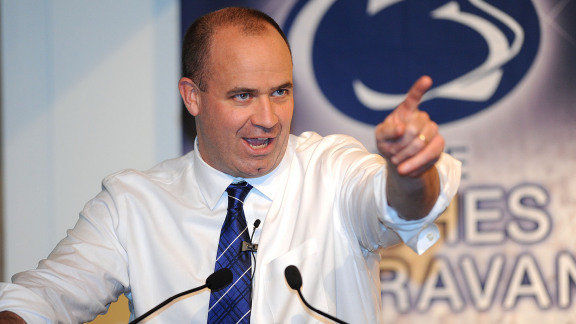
{"points": [[154, 234]]}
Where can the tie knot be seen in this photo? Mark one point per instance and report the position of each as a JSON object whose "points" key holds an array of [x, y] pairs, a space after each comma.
{"points": [[237, 192]]}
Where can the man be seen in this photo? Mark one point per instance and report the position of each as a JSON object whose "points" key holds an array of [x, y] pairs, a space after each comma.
{"points": [[326, 204]]}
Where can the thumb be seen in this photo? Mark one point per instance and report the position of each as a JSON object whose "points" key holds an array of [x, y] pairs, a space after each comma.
{"points": [[391, 129]]}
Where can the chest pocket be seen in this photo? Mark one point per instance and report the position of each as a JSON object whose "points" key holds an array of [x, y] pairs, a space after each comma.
{"points": [[284, 302]]}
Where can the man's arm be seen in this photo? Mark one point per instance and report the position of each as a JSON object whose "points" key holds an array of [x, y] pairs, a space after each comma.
{"points": [[410, 142], [84, 273]]}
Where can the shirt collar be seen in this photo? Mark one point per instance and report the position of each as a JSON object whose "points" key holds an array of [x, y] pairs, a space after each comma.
{"points": [[212, 183]]}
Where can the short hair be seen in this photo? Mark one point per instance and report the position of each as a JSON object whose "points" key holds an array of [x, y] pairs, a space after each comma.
{"points": [[196, 44]]}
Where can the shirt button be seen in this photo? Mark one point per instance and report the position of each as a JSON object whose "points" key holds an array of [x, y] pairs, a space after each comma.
{"points": [[430, 236]]}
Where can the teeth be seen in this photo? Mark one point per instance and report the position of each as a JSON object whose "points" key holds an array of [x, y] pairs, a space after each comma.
{"points": [[258, 143]]}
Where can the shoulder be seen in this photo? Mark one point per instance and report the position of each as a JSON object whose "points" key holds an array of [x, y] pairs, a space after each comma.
{"points": [[164, 173], [332, 152], [308, 141]]}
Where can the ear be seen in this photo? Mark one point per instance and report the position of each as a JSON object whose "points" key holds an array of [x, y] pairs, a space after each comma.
{"points": [[190, 95]]}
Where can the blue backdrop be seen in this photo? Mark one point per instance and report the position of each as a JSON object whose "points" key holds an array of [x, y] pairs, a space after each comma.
{"points": [[504, 97]]}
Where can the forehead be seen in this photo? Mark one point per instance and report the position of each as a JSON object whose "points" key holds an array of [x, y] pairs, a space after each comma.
{"points": [[233, 51]]}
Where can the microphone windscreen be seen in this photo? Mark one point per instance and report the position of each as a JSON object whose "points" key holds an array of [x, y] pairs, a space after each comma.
{"points": [[256, 223], [219, 279], [293, 277]]}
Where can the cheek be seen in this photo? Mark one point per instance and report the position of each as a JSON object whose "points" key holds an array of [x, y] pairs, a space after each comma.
{"points": [[223, 120], [228, 133], [286, 117]]}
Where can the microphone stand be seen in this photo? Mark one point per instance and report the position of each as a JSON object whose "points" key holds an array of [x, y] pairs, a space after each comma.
{"points": [[166, 302], [216, 281], [294, 279], [319, 311]]}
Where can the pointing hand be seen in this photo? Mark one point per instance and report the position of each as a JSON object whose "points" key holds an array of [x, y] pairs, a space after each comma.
{"points": [[407, 138]]}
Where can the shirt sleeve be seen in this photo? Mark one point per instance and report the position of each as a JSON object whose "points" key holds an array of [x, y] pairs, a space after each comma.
{"points": [[421, 234], [364, 205], [84, 273]]}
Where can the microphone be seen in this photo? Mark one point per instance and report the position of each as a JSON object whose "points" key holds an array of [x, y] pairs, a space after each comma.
{"points": [[218, 280], [248, 246], [294, 280], [293, 277], [252, 248], [214, 282]]}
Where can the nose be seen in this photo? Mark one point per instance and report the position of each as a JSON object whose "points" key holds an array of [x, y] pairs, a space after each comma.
{"points": [[265, 114]]}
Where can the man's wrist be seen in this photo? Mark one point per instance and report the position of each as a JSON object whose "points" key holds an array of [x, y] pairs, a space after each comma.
{"points": [[9, 317], [412, 198]]}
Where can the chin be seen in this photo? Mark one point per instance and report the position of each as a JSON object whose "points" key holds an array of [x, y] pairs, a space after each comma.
{"points": [[257, 171]]}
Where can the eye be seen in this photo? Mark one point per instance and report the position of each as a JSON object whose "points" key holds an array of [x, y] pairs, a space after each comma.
{"points": [[242, 96], [280, 93]]}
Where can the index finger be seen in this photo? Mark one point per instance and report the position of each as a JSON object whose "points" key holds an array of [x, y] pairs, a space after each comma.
{"points": [[418, 89]]}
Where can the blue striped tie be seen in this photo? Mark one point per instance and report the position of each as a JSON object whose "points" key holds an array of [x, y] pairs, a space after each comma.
{"points": [[232, 304]]}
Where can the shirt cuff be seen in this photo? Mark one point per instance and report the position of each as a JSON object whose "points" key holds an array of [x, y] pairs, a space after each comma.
{"points": [[422, 233], [27, 304]]}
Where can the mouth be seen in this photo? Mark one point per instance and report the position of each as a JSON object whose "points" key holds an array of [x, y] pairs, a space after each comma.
{"points": [[258, 143]]}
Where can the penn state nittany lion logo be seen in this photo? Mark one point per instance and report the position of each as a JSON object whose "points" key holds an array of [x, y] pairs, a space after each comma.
{"points": [[364, 55]]}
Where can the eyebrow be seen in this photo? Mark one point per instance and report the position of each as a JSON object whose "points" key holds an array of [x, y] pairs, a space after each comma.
{"points": [[239, 90], [287, 85]]}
